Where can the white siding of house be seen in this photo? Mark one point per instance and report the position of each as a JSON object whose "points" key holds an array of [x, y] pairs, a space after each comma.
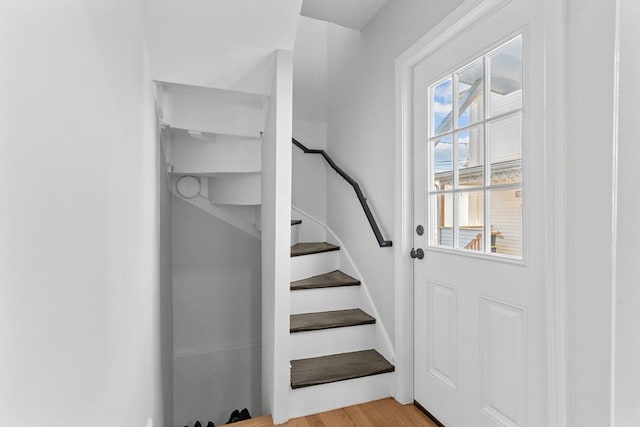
{"points": [[506, 214], [504, 137]]}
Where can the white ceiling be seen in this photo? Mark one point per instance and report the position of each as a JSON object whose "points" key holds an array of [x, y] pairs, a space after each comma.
{"points": [[348, 13], [217, 43]]}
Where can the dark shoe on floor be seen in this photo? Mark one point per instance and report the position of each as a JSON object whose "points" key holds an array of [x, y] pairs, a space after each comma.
{"points": [[235, 417], [210, 424], [244, 415], [197, 424]]}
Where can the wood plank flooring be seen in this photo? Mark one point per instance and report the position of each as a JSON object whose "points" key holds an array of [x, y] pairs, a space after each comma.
{"points": [[380, 413]]}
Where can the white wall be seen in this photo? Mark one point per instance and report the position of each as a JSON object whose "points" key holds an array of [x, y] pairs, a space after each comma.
{"points": [[590, 68], [627, 346], [276, 232], [309, 172], [216, 317], [166, 285], [222, 44], [360, 133], [79, 268]]}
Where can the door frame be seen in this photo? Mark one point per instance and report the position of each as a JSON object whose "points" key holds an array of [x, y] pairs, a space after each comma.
{"points": [[464, 16]]}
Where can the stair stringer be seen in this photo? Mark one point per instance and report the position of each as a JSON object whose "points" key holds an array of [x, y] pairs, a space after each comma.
{"points": [[345, 263]]}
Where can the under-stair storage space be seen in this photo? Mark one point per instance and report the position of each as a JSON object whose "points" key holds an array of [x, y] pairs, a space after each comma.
{"points": [[202, 153], [235, 189], [213, 141], [227, 158]]}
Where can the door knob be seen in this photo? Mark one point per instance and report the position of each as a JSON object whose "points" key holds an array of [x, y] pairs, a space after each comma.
{"points": [[417, 253]]}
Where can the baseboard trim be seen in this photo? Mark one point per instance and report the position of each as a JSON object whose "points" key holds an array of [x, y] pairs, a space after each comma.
{"points": [[428, 414]]}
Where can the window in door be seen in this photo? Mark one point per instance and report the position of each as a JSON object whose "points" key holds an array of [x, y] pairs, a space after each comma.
{"points": [[475, 155]]}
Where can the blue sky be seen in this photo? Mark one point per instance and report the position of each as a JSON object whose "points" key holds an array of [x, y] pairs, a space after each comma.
{"points": [[442, 109]]}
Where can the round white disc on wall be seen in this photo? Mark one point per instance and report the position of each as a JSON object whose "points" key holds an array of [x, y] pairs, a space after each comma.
{"points": [[188, 187]]}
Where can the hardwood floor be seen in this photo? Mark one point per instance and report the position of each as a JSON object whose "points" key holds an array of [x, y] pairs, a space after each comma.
{"points": [[380, 413]]}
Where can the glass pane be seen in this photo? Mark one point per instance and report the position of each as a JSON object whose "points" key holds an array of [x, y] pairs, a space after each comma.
{"points": [[505, 64], [471, 157], [505, 152], [442, 107], [471, 94], [441, 207], [442, 166], [506, 221], [471, 221]]}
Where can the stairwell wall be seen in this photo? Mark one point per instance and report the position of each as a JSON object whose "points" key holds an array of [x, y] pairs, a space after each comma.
{"points": [[360, 133], [166, 284], [590, 161], [627, 338], [79, 254], [309, 172], [603, 62], [216, 317]]}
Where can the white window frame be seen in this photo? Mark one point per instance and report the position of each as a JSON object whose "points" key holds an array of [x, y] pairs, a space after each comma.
{"points": [[487, 187]]}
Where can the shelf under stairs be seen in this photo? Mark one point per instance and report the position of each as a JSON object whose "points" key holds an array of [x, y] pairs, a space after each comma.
{"points": [[334, 362], [212, 142]]}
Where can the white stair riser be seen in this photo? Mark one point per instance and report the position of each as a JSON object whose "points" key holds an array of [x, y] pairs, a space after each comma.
{"points": [[213, 110], [331, 341], [325, 299], [210, 153], [295, 232], [312, 265], [326, 397], [312, 232], [236, 189]]}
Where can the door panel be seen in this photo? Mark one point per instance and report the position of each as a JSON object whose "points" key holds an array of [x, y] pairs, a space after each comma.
{"points": [[479, 293]]}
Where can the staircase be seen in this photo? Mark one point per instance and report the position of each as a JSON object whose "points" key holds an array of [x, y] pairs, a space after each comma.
{"points": [[340, 354], [334, 362]]}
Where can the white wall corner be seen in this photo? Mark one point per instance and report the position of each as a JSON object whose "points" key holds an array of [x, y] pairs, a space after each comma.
{"points": [[276, 229]]}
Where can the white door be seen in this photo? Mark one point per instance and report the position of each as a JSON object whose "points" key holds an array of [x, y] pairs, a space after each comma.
{"points": [[480, 322]]}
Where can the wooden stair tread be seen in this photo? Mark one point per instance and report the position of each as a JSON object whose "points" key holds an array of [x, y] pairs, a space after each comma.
{"points": [[329, 320], [338, 367], [296, 221], [309, 248], [327, 280]]}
